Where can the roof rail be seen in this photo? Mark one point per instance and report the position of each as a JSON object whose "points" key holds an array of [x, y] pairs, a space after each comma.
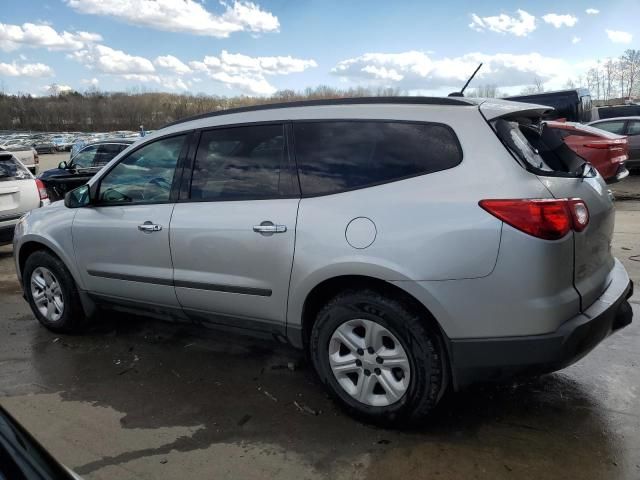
{"points": [[448, 101]]}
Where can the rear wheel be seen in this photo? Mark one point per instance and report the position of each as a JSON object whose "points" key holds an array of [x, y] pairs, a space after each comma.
{"points": [[52, 294], [381, 361]]}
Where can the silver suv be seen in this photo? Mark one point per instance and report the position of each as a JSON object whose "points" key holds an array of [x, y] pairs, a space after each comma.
{"points": [[407, 244]]}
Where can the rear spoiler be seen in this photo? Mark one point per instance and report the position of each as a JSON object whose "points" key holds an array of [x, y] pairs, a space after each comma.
{"points": [[496, 108]]}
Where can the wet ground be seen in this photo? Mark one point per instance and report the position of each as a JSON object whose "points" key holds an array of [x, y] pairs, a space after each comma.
{"points": [[137, 399]]}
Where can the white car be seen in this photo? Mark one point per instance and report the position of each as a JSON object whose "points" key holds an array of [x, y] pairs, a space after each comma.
{"points": [[20, 192], [27, 156]]}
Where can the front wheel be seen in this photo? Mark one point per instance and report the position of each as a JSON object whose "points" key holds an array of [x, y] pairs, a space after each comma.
{"points": [[379, 359], [52, 294]]}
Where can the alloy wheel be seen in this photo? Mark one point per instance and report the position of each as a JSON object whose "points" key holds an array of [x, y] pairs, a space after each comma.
{"points": [[369, 362]]}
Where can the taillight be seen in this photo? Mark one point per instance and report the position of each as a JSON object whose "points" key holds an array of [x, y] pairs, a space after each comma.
{"points": [[42, 190], [549, 219], [607, 143]]}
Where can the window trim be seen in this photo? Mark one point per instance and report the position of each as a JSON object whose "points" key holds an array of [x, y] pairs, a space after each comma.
{"points": [[177, 176], [373, 120], [185, 188]]}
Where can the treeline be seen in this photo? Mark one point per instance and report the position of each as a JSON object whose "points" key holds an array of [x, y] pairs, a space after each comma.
{"points": [[102, 111]]}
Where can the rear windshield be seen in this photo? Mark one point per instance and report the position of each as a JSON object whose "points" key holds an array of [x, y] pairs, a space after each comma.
{"points": [[538, 147], [12, 169]]}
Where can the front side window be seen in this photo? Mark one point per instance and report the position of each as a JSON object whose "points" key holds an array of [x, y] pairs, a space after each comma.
{"points": [[337, 156], [241, 163], [613, 127], [84, 159], [145, 176]]}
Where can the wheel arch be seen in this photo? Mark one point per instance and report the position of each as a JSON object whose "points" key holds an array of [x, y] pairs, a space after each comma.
{"points": [[29, 245], [321, 293]]}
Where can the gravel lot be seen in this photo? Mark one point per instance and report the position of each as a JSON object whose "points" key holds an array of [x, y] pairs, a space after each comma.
{"points": [[137, 399]]}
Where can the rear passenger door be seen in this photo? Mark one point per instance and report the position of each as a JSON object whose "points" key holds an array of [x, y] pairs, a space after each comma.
{"points": [[233, 232]]}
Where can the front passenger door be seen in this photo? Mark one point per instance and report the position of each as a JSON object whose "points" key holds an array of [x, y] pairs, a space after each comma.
{"points": [[122, 241]]}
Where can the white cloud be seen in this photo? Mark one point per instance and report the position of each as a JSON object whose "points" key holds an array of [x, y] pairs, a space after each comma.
{"points": [[172, 63], [13, 37], [108, 60], [141, 77], [90, 81], [520, 26], [575, 40], [618, 36], [246, 73], [592, 11], [415, 70], [56, 89], [559, 21], [25, 70], [184, 15]]}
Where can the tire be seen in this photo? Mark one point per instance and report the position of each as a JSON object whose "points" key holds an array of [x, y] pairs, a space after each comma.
{"points": [[420, 341], [71, 316]]}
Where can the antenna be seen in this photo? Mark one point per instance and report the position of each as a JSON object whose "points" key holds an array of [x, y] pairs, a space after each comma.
{"points": [[461, 92]]}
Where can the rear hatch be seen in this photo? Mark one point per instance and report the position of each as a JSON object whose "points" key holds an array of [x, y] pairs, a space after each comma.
{"points": [[542, 151]]}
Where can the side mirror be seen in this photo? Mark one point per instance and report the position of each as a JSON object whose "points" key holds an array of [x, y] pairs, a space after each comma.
{"points": [[63, 165], [78, 197]]}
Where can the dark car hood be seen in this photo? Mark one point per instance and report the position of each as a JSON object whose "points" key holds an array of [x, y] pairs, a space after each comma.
{"points": [[60, 172]]}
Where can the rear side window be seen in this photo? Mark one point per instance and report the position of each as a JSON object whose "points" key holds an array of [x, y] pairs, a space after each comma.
{"points": [[634, 128], [242, 163], [613, 127], [337, 156], [12, 169]]}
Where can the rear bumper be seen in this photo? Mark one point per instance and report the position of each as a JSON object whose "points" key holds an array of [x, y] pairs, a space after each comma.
{"points": [[6, 233], [495, 359]]}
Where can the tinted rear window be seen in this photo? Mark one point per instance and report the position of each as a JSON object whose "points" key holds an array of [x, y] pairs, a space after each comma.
{"points": [[538, 146], [11, 169], [621, 111], [343, 155]]}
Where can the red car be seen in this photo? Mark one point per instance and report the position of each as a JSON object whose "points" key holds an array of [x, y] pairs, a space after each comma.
{"points": [[607, 152]]}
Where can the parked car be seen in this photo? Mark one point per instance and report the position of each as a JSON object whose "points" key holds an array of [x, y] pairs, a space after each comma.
{"points": [[27, 156], [82, 166], [45, 147], [437, 243], [573, 105], [20, 192], [629, 126], [23, 457], [614, 111], [606, 151]]}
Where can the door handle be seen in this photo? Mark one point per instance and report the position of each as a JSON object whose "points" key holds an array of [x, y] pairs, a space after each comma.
{"points": [[149, 227], [269, 228]]}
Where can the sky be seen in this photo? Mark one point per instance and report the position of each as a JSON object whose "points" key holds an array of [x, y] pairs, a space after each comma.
{"points": [[232, 47]]}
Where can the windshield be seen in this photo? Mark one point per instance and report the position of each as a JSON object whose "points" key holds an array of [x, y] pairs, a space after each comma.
{"points": [[12, 169], [537, 147]]}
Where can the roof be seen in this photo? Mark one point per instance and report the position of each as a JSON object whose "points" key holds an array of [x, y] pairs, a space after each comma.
{"points": [[123, 140], [633, 117], [448, 101]]}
